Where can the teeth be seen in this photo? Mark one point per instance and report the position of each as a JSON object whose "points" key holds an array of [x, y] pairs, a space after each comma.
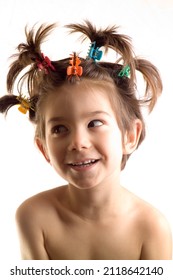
{"points": [[84, 162]]}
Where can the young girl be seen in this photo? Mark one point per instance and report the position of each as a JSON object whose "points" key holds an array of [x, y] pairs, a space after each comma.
{"points": [[88, 122]]}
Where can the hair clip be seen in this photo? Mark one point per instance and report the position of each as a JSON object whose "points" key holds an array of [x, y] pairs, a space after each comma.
{"points": [[94, 52], [74, 69], [25, 104], [125, 71], [45, 64]]}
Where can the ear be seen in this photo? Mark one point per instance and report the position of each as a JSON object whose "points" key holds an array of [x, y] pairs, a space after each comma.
{"points": [[131, 138], [42, 147]]}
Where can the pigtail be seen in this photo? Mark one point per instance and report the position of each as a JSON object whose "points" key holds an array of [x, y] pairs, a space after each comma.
{"points": [[108, 38], [153, 82], [29, 53], [6, 102]]}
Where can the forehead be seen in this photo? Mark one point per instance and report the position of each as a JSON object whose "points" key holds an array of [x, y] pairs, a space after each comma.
{"points": [[85, 95]]}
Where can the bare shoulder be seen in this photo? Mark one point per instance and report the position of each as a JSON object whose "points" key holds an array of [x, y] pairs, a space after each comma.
{"points": [[157, 236], [42, 202], [33, 217], [155, 230]]}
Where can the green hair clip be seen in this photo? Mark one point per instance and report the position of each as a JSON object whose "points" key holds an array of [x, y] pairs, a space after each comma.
{"points": [[125, 71]]}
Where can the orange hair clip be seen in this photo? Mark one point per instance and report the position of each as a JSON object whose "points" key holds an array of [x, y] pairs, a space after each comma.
{"points": [[74, 69], [25, 104]]}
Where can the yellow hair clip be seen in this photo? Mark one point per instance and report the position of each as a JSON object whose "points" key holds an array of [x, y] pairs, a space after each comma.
{"points": [[25, 104]]}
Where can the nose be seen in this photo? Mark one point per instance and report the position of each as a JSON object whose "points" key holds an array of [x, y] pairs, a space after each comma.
{"points": [[79, 140]]}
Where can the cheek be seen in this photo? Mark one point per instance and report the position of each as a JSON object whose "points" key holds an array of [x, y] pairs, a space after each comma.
{"points": [[111, 144], [55, 151]]}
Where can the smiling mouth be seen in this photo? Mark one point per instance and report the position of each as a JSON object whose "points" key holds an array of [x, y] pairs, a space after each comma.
{"points": [[84, 163]]}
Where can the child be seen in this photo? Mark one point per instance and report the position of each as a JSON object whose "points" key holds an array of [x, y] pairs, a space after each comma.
{"points": [[88, 122]]}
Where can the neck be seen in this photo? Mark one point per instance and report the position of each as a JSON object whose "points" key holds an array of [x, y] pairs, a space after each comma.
{"points": [[97, 202]]}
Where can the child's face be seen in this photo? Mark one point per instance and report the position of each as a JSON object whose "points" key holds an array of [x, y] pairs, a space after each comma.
{"points": [[82, 139]]}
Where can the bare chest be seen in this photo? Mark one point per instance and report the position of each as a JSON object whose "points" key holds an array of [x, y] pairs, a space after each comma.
{"points": [[108, 241]]}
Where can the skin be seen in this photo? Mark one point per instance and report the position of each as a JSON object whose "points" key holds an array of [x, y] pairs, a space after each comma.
{"points": [[93, 216]]}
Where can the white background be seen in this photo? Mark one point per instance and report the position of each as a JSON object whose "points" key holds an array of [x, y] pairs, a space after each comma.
{"points": [[23, 171]]}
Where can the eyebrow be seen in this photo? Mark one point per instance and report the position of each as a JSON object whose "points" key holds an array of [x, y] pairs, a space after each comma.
{"points": [[89, 114]]}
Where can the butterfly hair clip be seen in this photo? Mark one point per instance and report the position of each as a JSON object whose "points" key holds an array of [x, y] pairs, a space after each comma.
{"points": [[74, 69], [25, 104], [125, 71], [94, 52], [45, 64]]}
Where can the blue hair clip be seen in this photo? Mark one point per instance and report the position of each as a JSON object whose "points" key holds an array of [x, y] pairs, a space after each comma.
{"points": [[125, 71], [94, 52]]}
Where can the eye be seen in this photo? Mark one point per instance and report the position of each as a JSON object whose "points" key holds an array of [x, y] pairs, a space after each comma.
{"points": [[59, 129], [95, 123]]}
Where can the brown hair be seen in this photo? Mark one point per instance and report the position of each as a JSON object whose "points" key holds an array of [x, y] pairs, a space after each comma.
{"points": [[54, 74]]}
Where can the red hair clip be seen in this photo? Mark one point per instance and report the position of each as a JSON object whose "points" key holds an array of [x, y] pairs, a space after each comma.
{"points": [[45, 64], [74, 69]]}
